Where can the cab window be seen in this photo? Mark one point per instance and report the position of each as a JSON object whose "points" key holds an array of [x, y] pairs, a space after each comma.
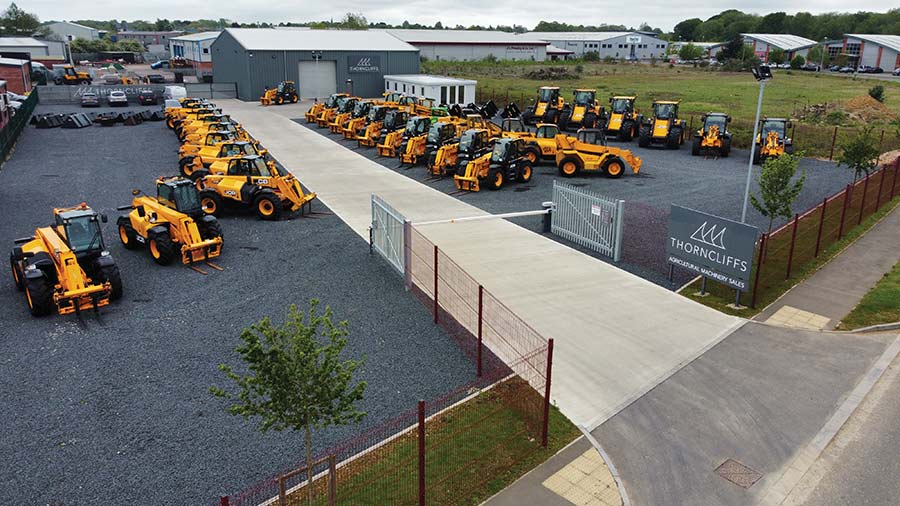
{"points": [[236, 168], [547, 132], [166, 196]]}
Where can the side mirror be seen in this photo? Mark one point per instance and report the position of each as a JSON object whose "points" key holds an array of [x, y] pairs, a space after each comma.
{"points": [[610, 100], [728, 119], [17, 252], [103, 218], [788, 125]]}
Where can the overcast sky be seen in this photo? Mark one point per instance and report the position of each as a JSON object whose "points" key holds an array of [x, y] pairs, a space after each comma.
{"points": [[658, 13]]}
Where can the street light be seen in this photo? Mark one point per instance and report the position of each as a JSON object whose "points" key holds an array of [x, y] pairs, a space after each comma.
{"points": [[762, 74]]}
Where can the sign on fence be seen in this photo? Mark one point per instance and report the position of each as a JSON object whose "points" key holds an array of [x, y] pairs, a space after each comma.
{"points": [[588, 219], [711, 246], [387, 233]]}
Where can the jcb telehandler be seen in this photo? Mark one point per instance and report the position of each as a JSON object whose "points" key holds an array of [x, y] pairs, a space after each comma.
{"points": [[539, 145], [439, 135], [588, 152], [284, 93], [70, 76], [316, 109], [505, 162], [452, 158], [623, 120], [226, 127], [412, 144], [375, 120], [66, 266], [358, 118], [190, 126], [394, 121], [331, 109], [250, 181], [546, 109], [772, 139], [663, 127], [206, 140], [176, 119], [221, 152], [583, 112], [713, 136], [188, 106], [344, 114], [172, 224]]}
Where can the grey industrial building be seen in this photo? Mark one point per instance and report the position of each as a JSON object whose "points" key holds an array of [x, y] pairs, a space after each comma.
{"points": [[472, 45], [618, 45], [319, 61]]}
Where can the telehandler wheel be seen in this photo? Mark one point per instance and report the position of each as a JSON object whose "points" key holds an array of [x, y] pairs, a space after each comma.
{"points": [[18, 275], [279, 100], [199, 174], [532, 154], [757, 155], [625, 131], [170, 123], [614, 168], [211, 202], [564, 119], [590, 120], [210, 230], [644, 137], [268, 206], [39, 294], [726, 148], [695, 146], [569, 167], [295, 99], [111, 273], [187, 169], [495, 179], [162, 249], [528, 117], [128, 236], [524, 174], [673, 140]]}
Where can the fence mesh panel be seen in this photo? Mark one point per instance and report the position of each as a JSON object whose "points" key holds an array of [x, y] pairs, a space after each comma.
{"points": [[10, 133]]}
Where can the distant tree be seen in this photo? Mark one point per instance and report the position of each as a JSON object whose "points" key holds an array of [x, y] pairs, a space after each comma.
{"points": [[777, 56], [438, 26], [777, 188], [163, 25], [592, 56], [860, 154], [797, 62], [355, 21], [295, 381], [774, 22], [687, 29], [732, 49], [15, 22], [130, 46], [817, 55], [690, 52]]}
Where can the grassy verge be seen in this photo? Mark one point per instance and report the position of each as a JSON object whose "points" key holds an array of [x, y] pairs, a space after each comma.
{"points": [[721, 301], [880, 305], [472, 452]]}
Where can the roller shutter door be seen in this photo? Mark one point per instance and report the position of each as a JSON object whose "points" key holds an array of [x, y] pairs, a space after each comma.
{"points": [[318, 79]]}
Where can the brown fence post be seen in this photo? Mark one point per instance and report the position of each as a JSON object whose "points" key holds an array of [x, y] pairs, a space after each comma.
{"points": [[833, 141], [332, 481], [862, 204], [793, 242], [821, 224], [880, 187], [691, 125], [223, 500], [480, 321], [435, 283], [847, 194], [282, 496], [421, 453], [894, 181], [759, 264], [545, 429]]}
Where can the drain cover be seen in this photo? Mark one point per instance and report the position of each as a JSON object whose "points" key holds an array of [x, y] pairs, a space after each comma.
{"points": [[738, 473]]}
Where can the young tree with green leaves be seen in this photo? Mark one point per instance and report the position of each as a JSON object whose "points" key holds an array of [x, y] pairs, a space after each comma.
{"points": [[797, 62], [860, 153], [777, 188], [15, 22], [690, 52], [296, 379], [777, 56]]}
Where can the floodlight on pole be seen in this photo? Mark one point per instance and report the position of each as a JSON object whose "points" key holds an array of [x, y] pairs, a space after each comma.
{"points": [[762, 74]]}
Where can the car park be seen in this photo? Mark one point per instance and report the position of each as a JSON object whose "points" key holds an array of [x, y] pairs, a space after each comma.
{"points": [[156, 78], [90, 99], [117, 97], [147, 97], [868, 69], [846, 70]]}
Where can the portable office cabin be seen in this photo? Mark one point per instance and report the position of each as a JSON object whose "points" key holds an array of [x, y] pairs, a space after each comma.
{"points": [[319, 61], [443, 90]]}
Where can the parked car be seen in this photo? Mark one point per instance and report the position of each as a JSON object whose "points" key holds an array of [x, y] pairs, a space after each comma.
{"points": [[811, 67], [868, 69], [834, 68], [846, 70], [896, 71], [147, 97], [90, 99], [161, 64], [117, 97], [156, 78], [112, 79]]}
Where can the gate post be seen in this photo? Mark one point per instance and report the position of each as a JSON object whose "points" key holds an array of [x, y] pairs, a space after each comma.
{"points": [[421, 453], [435, 283], [821, 223], [546, 424], [862, 204], [793, 242], [620, 223], [480, 322]]}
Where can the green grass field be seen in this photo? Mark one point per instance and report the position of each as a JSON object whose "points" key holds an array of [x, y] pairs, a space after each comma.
{"points": [[880, 305]]}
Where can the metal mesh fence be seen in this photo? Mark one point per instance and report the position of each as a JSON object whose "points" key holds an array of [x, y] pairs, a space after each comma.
{"points": [[10, 133]]}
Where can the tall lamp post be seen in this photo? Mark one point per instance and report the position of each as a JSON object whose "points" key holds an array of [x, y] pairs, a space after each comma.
{"points": [[762, 74]]}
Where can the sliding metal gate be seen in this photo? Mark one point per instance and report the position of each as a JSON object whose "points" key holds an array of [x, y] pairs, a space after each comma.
{"points": [[386, 233], [588, 219]]}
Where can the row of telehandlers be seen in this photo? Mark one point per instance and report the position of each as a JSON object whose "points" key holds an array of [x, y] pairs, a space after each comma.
{"points": [[66, 267]]}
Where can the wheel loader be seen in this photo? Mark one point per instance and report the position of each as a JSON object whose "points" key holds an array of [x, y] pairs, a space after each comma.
{"points": [[251, 182], [546, 109], [392, 131], [171, 225], [331, 109], [343, 115], [284, 93], [221, 152], [206, 140], [358, 119], [439, 135], [583, 112], [623, 120], [663, 127], [66, 266], [72, 77], [713, 136], [226, 127], [588, 152], [772, 140], [504, 163]]}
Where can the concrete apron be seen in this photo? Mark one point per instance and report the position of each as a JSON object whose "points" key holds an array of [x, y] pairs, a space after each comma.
{"points": [[617, 335]]}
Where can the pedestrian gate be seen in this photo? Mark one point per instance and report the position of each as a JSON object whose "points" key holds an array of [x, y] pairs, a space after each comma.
{"points": [[588, 219], [386, 233]]}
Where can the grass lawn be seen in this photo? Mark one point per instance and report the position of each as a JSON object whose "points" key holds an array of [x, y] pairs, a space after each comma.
{"points": [[880, 305]]}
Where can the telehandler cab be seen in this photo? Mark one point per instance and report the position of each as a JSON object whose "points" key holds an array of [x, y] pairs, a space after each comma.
{"points": [[66, 266], [284, 93], [583, 112], [358, 118], [439, 135], [332, 104], [225, 151], [713, 136], [772, 140], [318, 107], [206, 140], [539, 144], [176, 119], [588, 152], [172, 224], [546, 109], [359, 111], [663, 127], [392, 128], [623, 120], [342, 112], [188, 127], [504, 162], [412, 143]]}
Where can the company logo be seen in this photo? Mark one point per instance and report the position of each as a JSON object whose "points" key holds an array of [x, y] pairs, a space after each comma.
{"points": [[364, 62], [358, 64], [710, 236]]}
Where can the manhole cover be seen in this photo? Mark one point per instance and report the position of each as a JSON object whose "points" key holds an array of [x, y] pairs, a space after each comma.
{"points": [[738, 473]]}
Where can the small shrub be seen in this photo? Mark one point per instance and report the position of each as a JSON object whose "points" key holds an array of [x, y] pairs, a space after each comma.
{"points": [[703, 64], [835, 117], [797, 62], [607, 59], [592, 56], [877, 92], [579, 68]]}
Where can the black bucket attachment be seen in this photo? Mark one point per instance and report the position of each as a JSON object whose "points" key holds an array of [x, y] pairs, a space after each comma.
{"points": [[146, 115], [489, 109], [133, 119], [108, 119], [77, 120], [456, 111], [157, 116], [511, 111], [50, 121]]}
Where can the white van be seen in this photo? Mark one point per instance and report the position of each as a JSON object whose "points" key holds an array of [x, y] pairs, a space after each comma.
{"points": [[175, 92]]}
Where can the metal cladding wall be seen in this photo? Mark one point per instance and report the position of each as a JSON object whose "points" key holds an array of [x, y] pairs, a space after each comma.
{"points": [[253, 70], [475, 52]]}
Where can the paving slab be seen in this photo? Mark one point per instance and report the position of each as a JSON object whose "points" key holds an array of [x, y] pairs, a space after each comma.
{"points": [[616, 335]]}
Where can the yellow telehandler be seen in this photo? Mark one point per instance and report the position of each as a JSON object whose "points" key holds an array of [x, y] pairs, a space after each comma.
{"points": [[713, 136], [284, 93], [331, 109], [663, 127], [358, 118], [66, 265], [588, 152], [539, 145], [316, 109], [772, 140], [221, 152], [504, 163], [623, 120], [343, 115], [206, 140], [71, 76], [546, 109], [415, 134], [226, 127], [583, 112], [392, 130]]}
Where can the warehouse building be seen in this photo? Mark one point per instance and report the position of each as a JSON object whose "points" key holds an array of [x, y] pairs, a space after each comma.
{"points": [[321, 62], [872, 50], [196, 49], [34, 48], [618, 45], [66, 31], [764, 43], [472, 45], [17, 74], [441, 89]]}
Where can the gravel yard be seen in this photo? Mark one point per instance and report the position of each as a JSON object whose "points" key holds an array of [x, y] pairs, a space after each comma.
{"points": [[667, 177], [116, 410]]}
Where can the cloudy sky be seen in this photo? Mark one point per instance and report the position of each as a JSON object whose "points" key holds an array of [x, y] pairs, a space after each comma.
{"points": [[657, 13]]}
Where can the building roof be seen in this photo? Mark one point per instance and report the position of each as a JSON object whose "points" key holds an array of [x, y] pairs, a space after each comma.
{"points": [[429, 80], [585, 36], [551, 49], [782, 41], [323, 40], [139, 32], [12, 61], [21, 41], [460, 37], [704, 45], [889, 41], [76, 25], [197, 36]]}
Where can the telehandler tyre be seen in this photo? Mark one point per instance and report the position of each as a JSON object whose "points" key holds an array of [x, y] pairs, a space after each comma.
{"points": [[161, 248], [524, 174], [644, 137], [726, 148], [39, 293], [569, 167], [695, 146], [268, 206], [111, 273], [494, 179], [625, 131], [210, 230], [127, 235], [533, 154], [211, 202], [673, 140], [18, 275], [614, 168]]}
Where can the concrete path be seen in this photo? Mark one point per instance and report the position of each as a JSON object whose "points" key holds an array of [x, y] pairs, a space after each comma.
{"points": [[833, 291], [617, 335]]}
